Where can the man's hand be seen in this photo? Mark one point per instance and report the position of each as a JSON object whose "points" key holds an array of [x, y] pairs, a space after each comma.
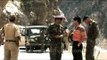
{"points": [[18, 38], [1, 43], [79, 44], [61, 36]]}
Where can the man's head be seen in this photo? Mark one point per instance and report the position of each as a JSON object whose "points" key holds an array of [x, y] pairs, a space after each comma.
{"points": [[86, 19], [58, 19], [12, 18], [77, 20]]}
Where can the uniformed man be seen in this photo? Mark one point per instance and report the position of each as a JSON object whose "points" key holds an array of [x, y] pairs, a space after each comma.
{"points": [[55, 31], [92, 33], [12, 37], [79, 35]]}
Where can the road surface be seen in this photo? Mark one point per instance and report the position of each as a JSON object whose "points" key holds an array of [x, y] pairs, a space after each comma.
{"points": [[100, 54], [23, 55]]}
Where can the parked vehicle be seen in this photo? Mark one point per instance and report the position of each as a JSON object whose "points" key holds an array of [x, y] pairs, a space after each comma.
{"points": [[36, 38]]}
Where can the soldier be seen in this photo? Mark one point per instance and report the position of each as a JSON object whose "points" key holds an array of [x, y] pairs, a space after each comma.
{"points": [[55, 32], [12, 37], [79, 35], [92, 33]]}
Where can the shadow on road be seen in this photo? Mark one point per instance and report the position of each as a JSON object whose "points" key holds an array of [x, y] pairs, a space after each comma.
{"points": [[34, 51]]}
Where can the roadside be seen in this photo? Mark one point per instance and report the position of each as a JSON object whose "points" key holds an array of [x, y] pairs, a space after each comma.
{"points": [[100, 54]]}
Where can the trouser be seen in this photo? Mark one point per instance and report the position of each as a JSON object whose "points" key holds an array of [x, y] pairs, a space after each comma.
{"points": [[66, 43], [55, 52], [10, 51], [90, 50], [77, 51]]}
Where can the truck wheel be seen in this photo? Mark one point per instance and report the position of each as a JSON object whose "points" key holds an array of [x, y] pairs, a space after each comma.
{"points": [[46, 48], [27, 49]]}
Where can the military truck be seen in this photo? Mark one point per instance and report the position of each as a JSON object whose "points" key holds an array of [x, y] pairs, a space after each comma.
{"points": [[36, 38]]}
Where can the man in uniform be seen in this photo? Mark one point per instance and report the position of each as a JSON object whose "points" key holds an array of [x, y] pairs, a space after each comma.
{"points": [[92, 33], [12, 37], [55, 32]]}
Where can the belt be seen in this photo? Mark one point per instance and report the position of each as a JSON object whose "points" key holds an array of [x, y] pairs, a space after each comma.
{"points": [[10, 41]]}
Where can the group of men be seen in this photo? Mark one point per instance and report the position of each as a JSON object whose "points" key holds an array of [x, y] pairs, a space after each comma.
{"points": [[87, 30], [82, 31]]}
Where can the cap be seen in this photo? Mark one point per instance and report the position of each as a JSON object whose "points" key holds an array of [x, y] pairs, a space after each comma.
{"points": [[59, 16]]}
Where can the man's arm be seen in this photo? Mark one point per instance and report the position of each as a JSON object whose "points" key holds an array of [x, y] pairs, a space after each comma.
{"points": [[95, 29], [17, 36]]}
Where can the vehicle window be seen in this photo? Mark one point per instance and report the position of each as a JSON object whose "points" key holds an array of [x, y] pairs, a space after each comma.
{"points": [[35, 31]]}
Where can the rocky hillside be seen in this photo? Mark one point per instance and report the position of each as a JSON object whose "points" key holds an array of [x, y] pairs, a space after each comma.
{"points": [[2, 5], [33, 12], [96, 9]]}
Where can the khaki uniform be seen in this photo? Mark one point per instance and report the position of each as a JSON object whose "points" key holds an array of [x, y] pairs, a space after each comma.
{"points": [[10, 48]]}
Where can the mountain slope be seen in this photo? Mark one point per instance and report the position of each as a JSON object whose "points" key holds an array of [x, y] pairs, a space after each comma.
{"points": [[96, 9]]}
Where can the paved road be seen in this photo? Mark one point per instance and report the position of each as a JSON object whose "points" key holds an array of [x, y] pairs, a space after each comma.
{"points": [[100, 54], [36, 56]]}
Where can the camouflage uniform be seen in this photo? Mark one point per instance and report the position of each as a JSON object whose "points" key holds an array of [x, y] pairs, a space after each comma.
{"points": [[92, 35], [11, 49], [56, 43]]}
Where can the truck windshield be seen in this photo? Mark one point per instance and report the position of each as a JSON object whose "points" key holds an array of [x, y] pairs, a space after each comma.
{"points": [[35, 31]]}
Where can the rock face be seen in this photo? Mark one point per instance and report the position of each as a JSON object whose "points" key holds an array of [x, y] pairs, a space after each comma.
{"points": [[36, 10], [40, 11], [32, 12], [2, 4]]}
